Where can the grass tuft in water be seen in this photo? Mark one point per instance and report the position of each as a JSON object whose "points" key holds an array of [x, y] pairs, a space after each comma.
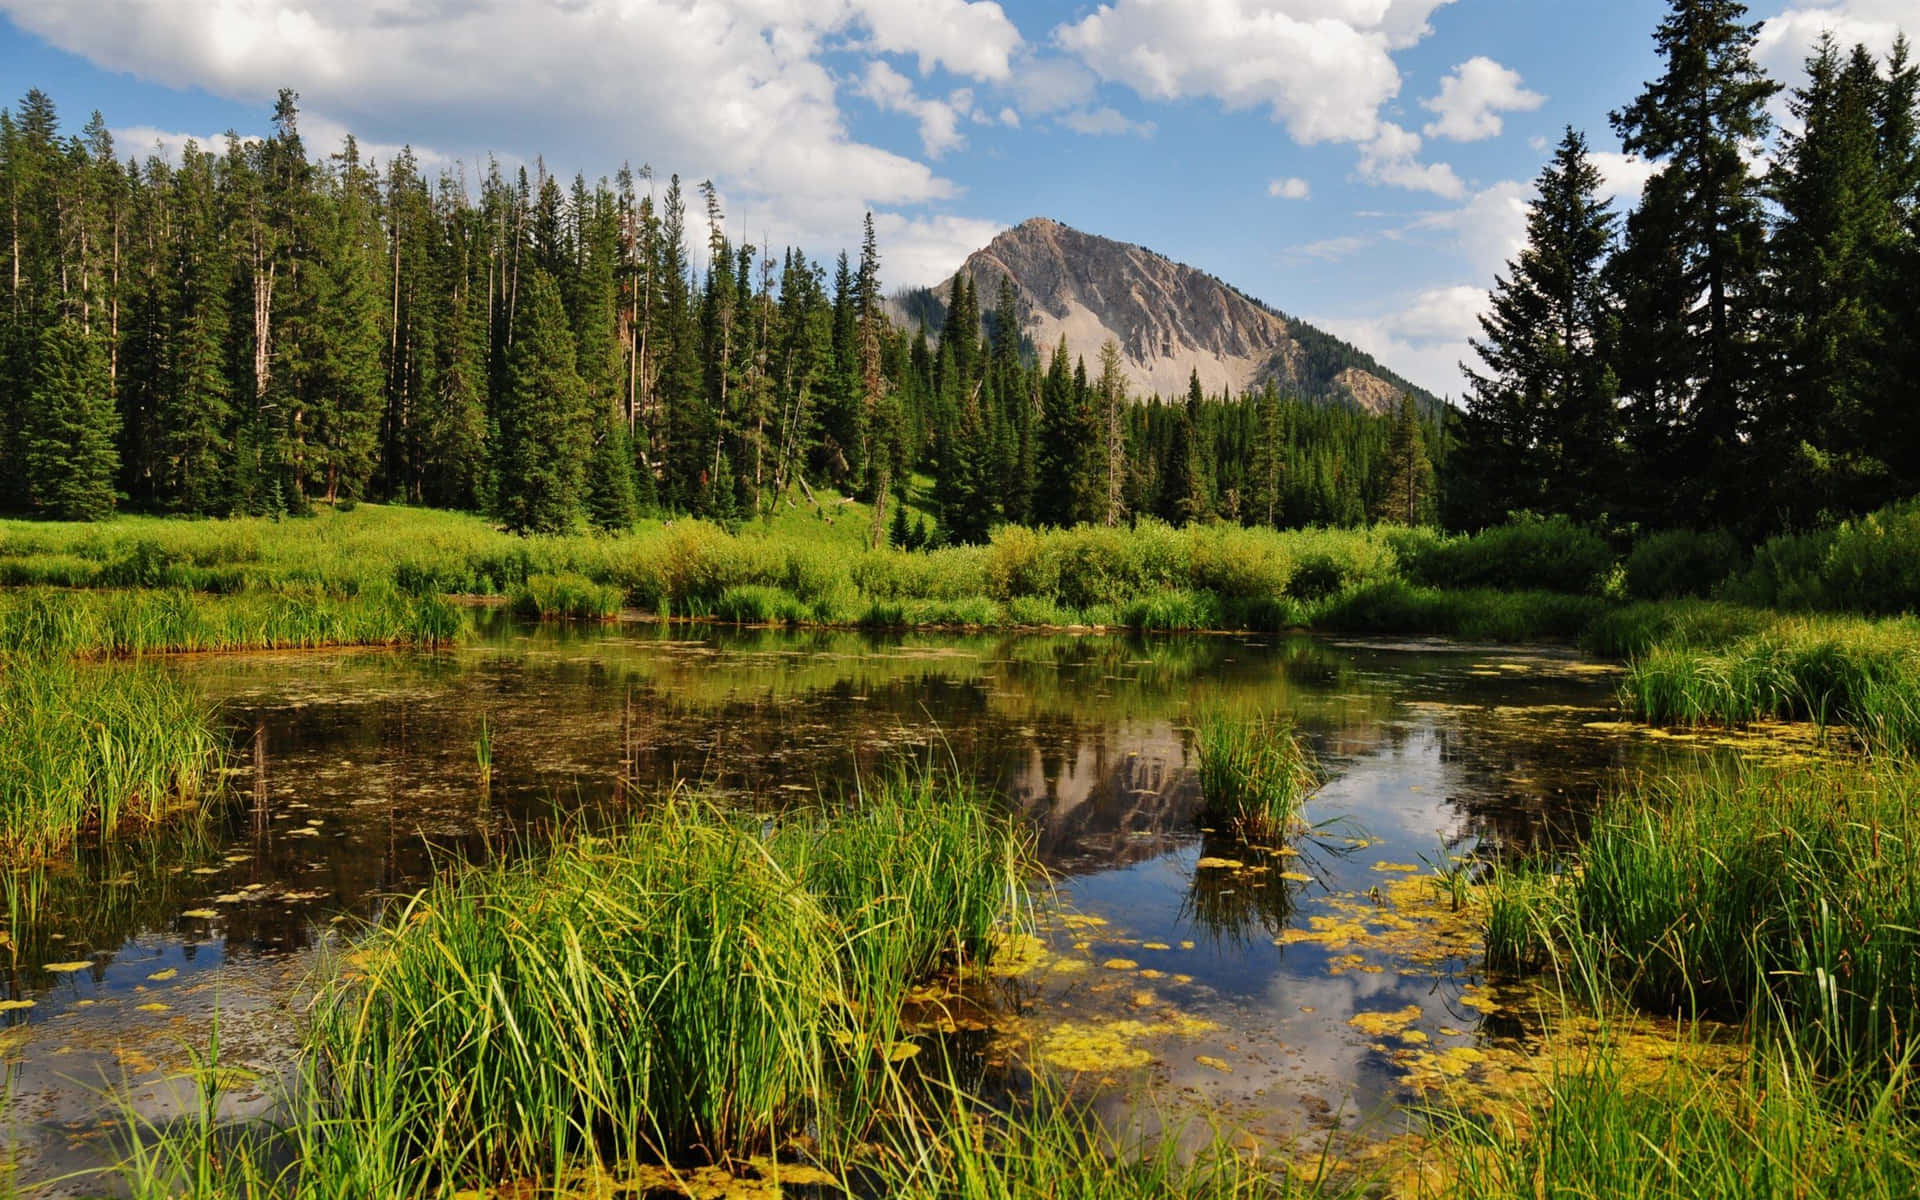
{"points": [[1255, 774], [565, 597], [95, 749], [697, 985]]}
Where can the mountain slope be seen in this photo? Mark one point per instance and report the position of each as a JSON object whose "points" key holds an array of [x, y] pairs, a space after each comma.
{"points": [[1169, 319]]}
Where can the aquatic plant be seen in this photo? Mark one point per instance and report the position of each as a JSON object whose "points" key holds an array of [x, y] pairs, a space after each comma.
{"points": [[124, 624], [1865, 674], [95, 748], [565, 597], [1791, 895], [1255, 773], [696, 984]]}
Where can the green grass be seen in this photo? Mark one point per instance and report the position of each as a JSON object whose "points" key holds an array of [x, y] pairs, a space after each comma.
{"points": [[565, 597], [1865, 674], [1787, 895], [696, 985], [99, 749], [123, 624], [1623, 1129], [1255, 774]]}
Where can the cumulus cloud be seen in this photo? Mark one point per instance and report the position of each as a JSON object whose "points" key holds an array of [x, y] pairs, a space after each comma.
{"points": [[1291, 188], [922, 251], [1622, 176], [1489, 229], [1391, 159], [1322, 68], [1472, 97], [1423, 338], [734, 89], [1787, 39], [939, 119]]}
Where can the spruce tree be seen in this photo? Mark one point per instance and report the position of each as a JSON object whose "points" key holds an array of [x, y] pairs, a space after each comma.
{"points": [[1692, 268], [70, 458], [1407, 497], [1540, 430], [544, 425]]}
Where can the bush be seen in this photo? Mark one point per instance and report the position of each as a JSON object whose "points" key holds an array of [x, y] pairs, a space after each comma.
{"points": [[1680, 563], [1530, 554]]}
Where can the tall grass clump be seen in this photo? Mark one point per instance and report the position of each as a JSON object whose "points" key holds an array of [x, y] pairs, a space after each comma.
{"points": [[95, 749], [565, 597], [1787, 894], [1477, 615], [1865, 674], [698, 985], [1616, 1126], [1255, 774]]}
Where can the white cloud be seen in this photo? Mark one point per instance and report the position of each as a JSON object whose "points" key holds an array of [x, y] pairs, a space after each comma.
{"points": [[1622, 176], [1321, 67], [1046, 85], [1098, 121], [1786, 40], [920, 252], [1291, 188], [939, 119], [1332, 249], [732, 89], [1425, 338], [1473, 96], [1489, 229], [1391, 159]]}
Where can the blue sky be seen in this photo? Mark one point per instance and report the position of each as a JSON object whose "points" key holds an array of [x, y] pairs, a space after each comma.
{"points": [[1364, 164]]}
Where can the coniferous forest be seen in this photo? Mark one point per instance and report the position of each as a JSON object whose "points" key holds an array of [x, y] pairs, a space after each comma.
{"points": [[260, 327]]}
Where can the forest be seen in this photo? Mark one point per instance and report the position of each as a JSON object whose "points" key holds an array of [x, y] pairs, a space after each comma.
{"points": [[252, 330]]}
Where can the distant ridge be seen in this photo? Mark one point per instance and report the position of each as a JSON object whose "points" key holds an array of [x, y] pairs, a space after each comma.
{"points": [[1169, 319]]}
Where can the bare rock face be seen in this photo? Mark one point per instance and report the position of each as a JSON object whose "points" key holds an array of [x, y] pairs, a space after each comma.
{"points": [[1170, 320]]}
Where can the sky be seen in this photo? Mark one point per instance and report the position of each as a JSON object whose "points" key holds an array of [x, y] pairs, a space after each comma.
{"points": [[1361, 164]]}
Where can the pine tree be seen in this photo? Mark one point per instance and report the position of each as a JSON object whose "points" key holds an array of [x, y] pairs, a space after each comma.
{"points": [[544, 424], [1693, 263], [70, 458], [1110, 401], [1540, 430], [1269, 468], [1407, 497], [195, 405]]}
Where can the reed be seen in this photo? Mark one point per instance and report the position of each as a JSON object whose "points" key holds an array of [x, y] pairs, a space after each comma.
{"points": [[95, 749], [1790, 896], [565, 597], [1255, 774], [696, 985], [127, 624]]}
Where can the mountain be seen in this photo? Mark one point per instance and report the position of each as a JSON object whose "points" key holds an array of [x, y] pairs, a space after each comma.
{"points": [[1169, 319]]}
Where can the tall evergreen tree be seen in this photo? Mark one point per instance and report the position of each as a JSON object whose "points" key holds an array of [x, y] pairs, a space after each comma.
{"points": [[1407, 497], [1540, 430], [70, 459], [544, 424], [1692, 267]]}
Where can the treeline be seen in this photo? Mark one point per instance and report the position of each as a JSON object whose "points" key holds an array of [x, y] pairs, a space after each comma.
{"points": [[1741, 351], [254, 329]]}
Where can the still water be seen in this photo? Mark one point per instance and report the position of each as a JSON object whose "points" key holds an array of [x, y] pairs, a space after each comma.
{"points": [[1186, 971]]}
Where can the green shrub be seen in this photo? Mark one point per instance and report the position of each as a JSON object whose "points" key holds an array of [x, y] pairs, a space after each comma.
{"points": [[1531, 554], [1681, 563]]}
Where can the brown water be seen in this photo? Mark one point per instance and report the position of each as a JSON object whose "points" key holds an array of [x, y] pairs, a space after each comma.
{"points": [[355, 779]]}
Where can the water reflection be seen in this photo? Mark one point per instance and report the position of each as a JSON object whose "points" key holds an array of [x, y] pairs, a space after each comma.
{"points": [[356, 779]]}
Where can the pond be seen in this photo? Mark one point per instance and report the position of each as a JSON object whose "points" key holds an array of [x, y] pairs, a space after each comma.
{"points": [[1293, 992]]}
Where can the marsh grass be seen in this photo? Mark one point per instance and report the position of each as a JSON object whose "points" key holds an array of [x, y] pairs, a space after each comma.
{"points": [[1255, 774], [695, 986], [565, 597], [1617, 1126], [97, 749], [1863, 674], [1788, 896], [124, 624]]}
